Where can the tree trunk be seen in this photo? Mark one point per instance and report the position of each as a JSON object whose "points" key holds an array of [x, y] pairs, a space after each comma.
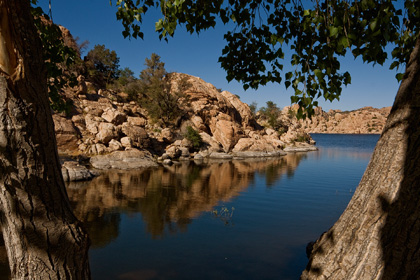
{"points": [[43, 239], [378, 235]]}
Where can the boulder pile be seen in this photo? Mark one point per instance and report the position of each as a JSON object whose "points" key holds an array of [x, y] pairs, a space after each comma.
{"points": [[103, 124]]}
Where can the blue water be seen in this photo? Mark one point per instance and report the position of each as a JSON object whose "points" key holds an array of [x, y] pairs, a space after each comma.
{"points": [[224, 220], [282, 206]]}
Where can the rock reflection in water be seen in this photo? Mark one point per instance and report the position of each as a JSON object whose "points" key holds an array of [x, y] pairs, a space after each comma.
{"points": [[168, 198]]}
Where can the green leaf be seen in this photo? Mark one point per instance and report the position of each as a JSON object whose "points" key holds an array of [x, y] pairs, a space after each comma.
{"points": [[319, 74], [344, 42], [373, 24], [399, 76], [347, 78], [333, 31], [281, 40], [159, 25], [394, 64]]}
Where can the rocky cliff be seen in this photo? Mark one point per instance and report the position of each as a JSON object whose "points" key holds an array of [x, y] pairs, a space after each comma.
{"points": [[104, 121], [366, 120]]}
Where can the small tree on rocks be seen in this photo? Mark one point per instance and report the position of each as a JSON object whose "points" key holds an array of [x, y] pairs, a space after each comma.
{"points": [[156, 95]]}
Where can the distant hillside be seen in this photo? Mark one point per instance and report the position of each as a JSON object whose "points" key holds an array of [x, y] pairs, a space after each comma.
{"points": [[366, 120]]}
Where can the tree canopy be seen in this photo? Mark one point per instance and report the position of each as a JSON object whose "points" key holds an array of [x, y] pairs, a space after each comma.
{"points": [[103, 65], [317, 33]]}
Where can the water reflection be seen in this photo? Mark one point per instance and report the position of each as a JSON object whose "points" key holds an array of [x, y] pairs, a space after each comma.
{"points": [[134, 218], [168, 198]]}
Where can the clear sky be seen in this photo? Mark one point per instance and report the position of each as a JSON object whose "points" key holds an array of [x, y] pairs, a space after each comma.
{"points": [[197, 55]]}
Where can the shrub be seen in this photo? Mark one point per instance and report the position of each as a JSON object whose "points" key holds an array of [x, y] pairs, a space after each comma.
{"points": [[194, 137], [271, 114], [303, 138], [162, 102]]}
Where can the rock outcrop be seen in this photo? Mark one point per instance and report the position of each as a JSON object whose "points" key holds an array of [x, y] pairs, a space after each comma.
{"points": [[101, 125], [366, 120], [124, 160], [73, 171], [67, 134]]}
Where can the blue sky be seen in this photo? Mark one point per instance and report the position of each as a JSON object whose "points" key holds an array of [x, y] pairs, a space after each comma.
{"points": [[197, 55]]}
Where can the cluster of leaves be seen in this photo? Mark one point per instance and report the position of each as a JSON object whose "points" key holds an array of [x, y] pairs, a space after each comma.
{"points": [[63, 62], [196, 15], [58, 58], [157, 95], [102, 65], [272, 114], [317, 35], [194, 137]]}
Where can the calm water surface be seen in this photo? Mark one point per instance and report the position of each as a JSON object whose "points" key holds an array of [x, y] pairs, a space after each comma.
{"points": [[219, 220]]}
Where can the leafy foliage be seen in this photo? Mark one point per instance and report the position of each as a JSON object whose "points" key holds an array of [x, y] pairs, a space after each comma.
{"points": [[127, 83], [317, 34], [271, 114], [58, 58], [102, 65], [194, 137], [126, 77], [157, 96]]}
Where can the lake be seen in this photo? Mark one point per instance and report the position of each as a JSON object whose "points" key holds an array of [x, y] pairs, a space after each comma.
{"points": [[220, 220]]}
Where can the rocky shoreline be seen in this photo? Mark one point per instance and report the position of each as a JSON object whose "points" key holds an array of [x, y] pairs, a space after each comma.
{"points": [[115, 133], [133, 159]]}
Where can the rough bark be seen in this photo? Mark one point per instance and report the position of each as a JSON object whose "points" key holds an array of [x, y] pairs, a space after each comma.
{"points": [[43, 238], [378, 235]]}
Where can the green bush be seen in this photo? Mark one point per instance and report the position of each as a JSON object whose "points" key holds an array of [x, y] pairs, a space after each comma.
{"points": [[271, 114], [194, 137], [163, 104], [303, 138]]}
